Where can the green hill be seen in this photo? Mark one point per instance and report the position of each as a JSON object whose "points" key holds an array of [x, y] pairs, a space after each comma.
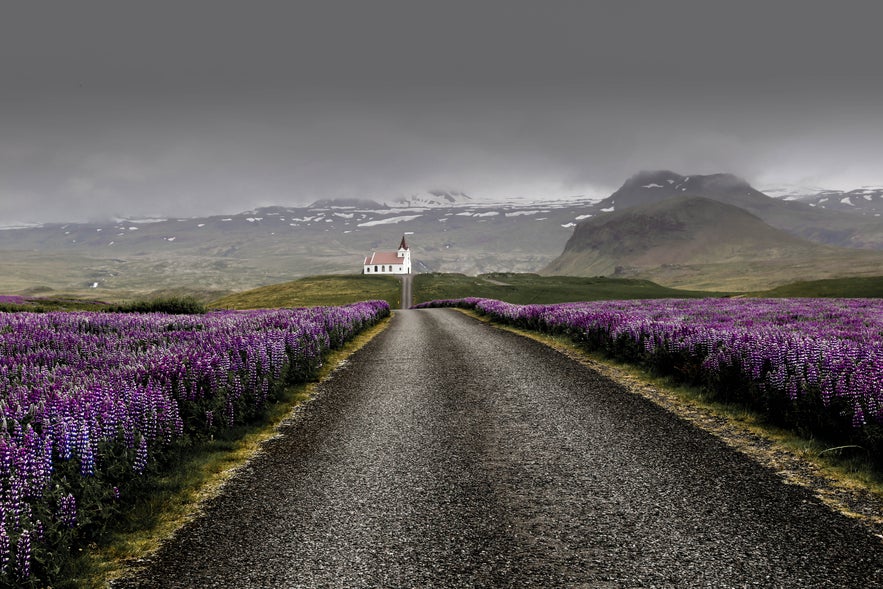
{"points": [[316, 291], [515, 288], [510, 287], [861, 287], [525, 289]]}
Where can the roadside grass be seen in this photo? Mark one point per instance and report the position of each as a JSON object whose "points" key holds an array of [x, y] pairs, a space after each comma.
{"points": [[523, 289], [859, 287], [43, 305], [338, 289], [197, 476], [517, 288], [844, 477]]}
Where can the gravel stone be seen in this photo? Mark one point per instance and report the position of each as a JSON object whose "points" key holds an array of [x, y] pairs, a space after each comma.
{"points": [[448, 453]]}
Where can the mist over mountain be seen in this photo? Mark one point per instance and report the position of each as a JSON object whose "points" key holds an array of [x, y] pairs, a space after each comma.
{"points": [[653, 186], [429, 198], [434, 198], [700, 230], [345, 203]]}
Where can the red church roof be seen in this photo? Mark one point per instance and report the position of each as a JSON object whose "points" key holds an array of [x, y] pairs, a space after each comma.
{"points": [[384, 258]]}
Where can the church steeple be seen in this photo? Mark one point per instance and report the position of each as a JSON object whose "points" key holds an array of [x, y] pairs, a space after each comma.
{"points": [[403, 245]]}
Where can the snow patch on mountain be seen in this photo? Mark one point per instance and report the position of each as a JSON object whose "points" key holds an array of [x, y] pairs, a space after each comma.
{"points": [[389, 220]]}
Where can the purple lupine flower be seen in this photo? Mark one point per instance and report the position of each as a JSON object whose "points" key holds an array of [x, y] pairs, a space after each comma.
{"points": [[788, 348], [71, 382], [23, 555], [4, 551], [67, 511], [140, 457]]}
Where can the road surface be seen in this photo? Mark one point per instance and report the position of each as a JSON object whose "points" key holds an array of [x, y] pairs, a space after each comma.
{"points": [[406, 291], [447, 453]]}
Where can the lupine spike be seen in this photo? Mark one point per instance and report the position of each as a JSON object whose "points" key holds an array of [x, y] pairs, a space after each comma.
{"points": [[74, 383]]}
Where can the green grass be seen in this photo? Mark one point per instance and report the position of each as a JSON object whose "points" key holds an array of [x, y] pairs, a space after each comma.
{"points": [[861, 287], [43, 305], [317, 291], [533, 288], [510, 287], [518, 288], [203, 295]]}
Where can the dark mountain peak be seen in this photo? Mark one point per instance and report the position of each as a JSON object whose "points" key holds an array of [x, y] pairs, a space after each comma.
{"points": [[652, 180], [718, 183], [649, 178], [654, 186]]}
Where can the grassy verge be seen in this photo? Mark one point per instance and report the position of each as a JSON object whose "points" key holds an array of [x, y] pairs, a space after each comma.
{"points": [[41, 305], [199, 476], [861, 287], [317, 291], [844, 478], [524, 289]]}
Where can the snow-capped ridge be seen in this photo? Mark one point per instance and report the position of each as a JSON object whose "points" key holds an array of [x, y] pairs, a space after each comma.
{"points": [[866, 200], [432, 198]]}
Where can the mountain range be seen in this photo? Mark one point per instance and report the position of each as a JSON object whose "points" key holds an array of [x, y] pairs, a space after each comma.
{"points": [[702, 231], [832, 226], [867, 200], [701, 243], [223, 253]]}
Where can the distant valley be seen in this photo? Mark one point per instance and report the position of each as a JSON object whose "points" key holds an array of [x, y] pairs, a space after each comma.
{"points": [[450, 233], [710, 232]]}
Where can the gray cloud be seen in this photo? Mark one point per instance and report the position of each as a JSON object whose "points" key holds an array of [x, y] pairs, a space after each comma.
{"points": [[112, 108]]}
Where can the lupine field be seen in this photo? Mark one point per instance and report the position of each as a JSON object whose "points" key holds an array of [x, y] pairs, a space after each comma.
{"points": [[812, 364], [91, 403]]}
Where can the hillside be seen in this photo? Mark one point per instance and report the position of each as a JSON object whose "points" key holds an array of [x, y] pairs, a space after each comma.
{"points": [[520, 288], [126, 257], [316, 291], [695, 242], [529, 288], [827, 226], [861, 287]]}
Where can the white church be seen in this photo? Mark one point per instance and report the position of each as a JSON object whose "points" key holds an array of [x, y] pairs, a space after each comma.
{"points": [[397, 262]]}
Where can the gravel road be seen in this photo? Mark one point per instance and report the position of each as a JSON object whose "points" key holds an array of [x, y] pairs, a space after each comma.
{"points": [[447, 453]]}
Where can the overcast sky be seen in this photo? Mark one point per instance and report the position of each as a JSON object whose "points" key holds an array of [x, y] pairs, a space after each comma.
{"points": [[185, 108]]}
